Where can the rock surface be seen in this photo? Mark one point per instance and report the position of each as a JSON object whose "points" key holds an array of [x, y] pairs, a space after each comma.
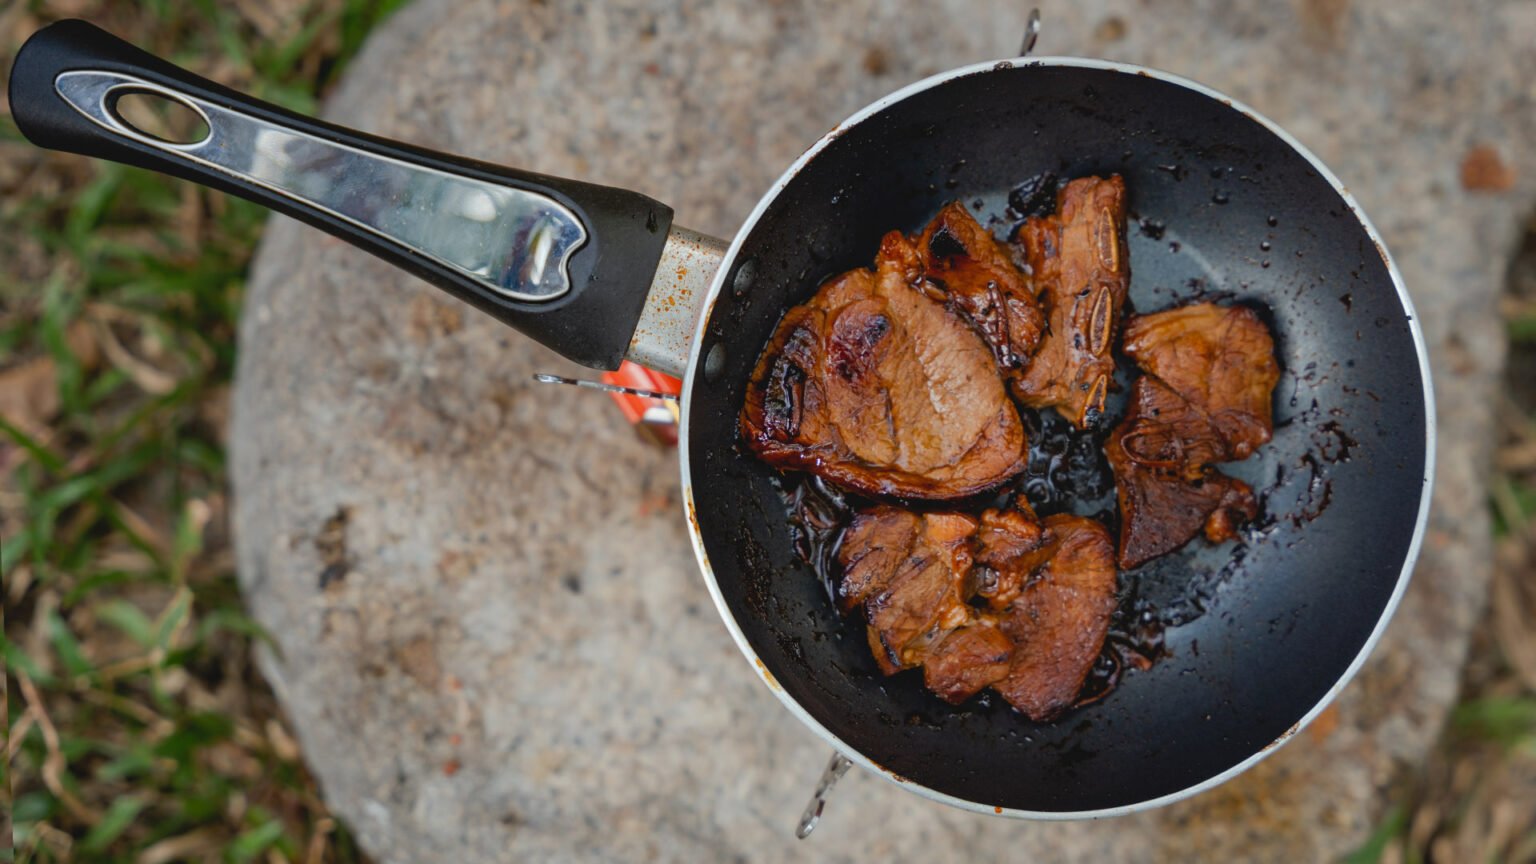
{"points": [[493, 639]]}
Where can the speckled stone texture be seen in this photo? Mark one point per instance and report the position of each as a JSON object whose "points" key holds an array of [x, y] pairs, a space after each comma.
{"points": [[493, 639]]}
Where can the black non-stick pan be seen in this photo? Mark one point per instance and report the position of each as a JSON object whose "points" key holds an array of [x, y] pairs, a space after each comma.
{"points": [[1262, 633]]}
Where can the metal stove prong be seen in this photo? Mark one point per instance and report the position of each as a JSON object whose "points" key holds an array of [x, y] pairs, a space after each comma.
{"points": [[544, 378], [1031, 32], [837, 766]]}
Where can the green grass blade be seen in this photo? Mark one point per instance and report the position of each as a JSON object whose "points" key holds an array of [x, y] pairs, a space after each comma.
{"points": [[44, 457], [129, 619], [67, 647], [18, 660], [172, 618], [1508, 720], [137, 761], [1521, 330], [34, 807], [232, 621], [1391, 827], [113, 823], [255, 841], [91, 203], [13, 550]]}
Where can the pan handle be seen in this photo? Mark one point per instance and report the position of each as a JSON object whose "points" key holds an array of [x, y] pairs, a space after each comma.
{"points": [[567, 263]]}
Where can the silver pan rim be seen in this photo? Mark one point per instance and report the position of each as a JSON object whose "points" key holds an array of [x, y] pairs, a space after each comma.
{"points": [[694, 359]]}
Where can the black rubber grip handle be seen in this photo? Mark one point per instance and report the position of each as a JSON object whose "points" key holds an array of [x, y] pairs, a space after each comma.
{"points": [[565, 262]]}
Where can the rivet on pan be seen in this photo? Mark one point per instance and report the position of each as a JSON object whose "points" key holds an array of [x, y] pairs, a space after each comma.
{"points": [[744, 276], [714, 362]]}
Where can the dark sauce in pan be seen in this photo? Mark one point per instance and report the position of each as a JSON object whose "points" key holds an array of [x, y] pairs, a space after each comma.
{"points": [[1066, 473], [1035, 196], [818, 513]]}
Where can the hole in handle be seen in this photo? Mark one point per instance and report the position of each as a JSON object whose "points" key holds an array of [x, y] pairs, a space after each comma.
{"points": [[158, 115]]}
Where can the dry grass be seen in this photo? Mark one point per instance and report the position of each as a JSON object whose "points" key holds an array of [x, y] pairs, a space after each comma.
{"points": [[139, 730]]}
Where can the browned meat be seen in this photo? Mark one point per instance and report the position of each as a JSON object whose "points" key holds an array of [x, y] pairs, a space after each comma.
{"points": [[1059, 621], [1236, 507], [1206, 397], [1000, 601], [964, 263], [1220, 358], [894, 381], [875, 545], [922, 601], [877, 387], [1079, 263], [908, 570], [1003, 538], [1077, 260], [968, 660], [1168, 492]]}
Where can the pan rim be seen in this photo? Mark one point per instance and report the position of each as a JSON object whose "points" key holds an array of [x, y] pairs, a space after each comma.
{"points": [[696, 535]]}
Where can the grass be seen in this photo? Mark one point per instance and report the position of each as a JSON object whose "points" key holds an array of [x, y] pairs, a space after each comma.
{"points": [[139, 730]]}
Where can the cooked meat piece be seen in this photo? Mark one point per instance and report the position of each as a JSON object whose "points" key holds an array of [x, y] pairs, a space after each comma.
{"points": [[964, 263], [1059, 621], [1079, 262], [1167, 490], [1003, 537], [909, 571], [968, 660], [1221, 359], [1002, 600], [1236, 507], [875, 544], [1206, 398], [1006, 534], [1163, 430], [919, 608], [877, 387]]}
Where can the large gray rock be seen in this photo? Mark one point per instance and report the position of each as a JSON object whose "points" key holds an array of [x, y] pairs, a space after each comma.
{"points": [[493, 639]]}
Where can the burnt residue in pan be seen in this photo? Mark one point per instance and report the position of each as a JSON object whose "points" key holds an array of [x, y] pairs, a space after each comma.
{"points": [[1331, 445], [818, 513], [1298, 491], [1067, 470], [1067, 473], [1034, 197], [1135, 642]]}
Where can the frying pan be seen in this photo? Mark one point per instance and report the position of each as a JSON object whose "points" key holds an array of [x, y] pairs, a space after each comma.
{"points": [[1262, 633]]}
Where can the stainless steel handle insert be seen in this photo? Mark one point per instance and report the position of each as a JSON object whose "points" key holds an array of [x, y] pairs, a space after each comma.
{"points": [[514, 242]]}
